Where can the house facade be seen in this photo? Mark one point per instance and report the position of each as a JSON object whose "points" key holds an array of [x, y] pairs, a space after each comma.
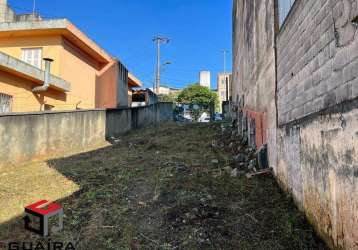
{"points": [[295, 88], [96, 79]]}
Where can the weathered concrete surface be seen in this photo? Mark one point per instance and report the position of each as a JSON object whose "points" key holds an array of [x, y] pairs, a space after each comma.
{"points": [[254, 74], [34, 135], [317, 76], [27, 136], [318, 164], [120, 121], [316, 94]]}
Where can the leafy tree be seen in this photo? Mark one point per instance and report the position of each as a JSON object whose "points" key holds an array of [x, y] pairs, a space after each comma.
{"points": [[200, 95]]}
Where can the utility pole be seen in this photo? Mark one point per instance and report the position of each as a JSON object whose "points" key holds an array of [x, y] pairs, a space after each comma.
{"points": [[225, 51], [158, 40], [34, 7]]}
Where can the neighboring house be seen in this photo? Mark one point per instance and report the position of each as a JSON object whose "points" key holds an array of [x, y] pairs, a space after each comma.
{"points": [[295, 88], [224, 87], [93, 78], [143, 97], [133, 83]]}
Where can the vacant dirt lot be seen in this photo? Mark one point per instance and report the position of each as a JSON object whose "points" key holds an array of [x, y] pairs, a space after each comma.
{"points": [[158, 188]]}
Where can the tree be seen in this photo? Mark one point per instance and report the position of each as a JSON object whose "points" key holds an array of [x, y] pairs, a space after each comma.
{"points": [[199, 95], [203, 97]]}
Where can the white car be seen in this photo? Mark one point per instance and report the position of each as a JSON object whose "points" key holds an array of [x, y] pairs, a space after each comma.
{"points": [[205, 120]]}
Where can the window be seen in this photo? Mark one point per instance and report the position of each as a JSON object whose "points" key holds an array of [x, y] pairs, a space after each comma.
{"points": [[5, 103], [284, 8], [223, 95], [32, 56]]}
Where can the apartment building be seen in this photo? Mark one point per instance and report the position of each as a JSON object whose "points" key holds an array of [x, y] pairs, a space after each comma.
{"points": [[224, 87]]}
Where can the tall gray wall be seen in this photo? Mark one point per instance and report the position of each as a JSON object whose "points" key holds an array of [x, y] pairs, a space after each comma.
{"points": [[314, 145], [254, 72], [317, 82], [27, 136]]}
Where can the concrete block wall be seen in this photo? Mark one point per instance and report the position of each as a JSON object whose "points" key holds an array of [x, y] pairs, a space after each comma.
{"points": [[313, 79], [317, 58], [28, 136], [317, 136]]}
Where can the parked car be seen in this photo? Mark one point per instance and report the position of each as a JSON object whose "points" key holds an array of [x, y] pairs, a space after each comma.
{"points": [[205, 120], [218, 117]]}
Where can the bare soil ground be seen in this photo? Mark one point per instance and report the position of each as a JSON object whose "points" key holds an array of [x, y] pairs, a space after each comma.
{"points": [[159, 188]]}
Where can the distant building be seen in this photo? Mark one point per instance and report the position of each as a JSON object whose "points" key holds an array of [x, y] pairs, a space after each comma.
{"points": [[166, 90], [143, 97], [204, 78], [224, 92]]}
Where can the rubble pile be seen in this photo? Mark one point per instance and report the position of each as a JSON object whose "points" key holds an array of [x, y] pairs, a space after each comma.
{"points": [[244, 159]]}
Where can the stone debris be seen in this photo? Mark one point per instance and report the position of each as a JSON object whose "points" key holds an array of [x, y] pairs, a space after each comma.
{"points": [[234, 172], [228, 169], [244, 159]]}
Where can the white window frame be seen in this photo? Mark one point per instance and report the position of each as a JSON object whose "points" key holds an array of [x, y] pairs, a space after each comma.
{"points": [[32, 56]]}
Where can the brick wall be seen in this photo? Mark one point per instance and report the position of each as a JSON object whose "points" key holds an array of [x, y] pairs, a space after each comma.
{"points": [[317, 57]]}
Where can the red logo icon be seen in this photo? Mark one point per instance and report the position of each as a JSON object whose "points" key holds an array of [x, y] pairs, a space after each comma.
{"points": [[43, 210]]}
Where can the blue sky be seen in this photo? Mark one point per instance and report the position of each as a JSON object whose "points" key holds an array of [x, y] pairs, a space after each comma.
{"points": [[199, 29]]}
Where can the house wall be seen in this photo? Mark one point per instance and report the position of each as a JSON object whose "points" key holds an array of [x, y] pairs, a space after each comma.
{"points": [[29, 136], [112, 86], [106, 85], [71, 64], [51, 48], [122, 86], [317, 75], [80, 70], [23, 99]]}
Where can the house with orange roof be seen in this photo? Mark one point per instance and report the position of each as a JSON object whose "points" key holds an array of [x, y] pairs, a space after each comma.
{"points": [[81, 75]]}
